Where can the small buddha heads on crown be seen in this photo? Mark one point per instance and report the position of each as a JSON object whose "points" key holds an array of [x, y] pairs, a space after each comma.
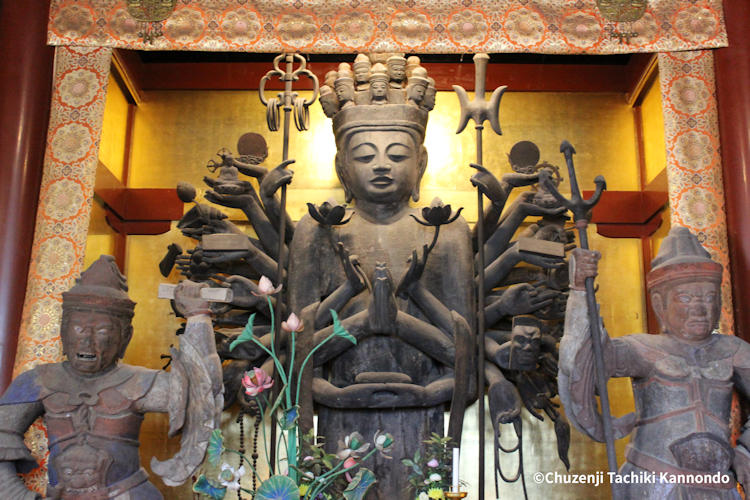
{"points": [[378, 79], [380, 129], [361, 67]]}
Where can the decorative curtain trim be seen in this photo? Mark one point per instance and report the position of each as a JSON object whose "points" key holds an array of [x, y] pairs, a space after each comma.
{"points": [[432, 26], [694, 172]]}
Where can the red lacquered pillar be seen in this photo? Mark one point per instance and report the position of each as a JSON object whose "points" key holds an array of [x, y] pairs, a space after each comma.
{"points": [[733, 95], [25, 93]]}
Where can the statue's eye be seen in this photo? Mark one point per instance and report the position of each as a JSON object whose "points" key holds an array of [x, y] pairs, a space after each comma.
{"points": [[364, 158], [397, 158], [683, 298]]}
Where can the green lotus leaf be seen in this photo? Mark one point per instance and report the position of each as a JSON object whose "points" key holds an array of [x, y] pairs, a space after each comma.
{"points": [[215, 447], [246, 335], [277, 488], [339, 330], [209, 488], [362, 482]]}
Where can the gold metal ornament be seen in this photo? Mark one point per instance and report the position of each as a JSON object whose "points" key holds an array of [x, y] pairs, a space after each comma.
{"points": [[622, 11], [150, 13]]}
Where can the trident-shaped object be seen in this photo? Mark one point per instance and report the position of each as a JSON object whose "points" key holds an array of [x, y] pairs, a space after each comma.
{"points": [[480, 110], [581, 209], [289, 100]]}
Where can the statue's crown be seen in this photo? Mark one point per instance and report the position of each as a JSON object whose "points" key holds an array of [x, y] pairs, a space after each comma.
{"points": [[358, 103], [101, 287], [680, 257]]}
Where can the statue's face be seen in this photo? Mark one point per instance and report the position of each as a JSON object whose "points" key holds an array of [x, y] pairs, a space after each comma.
{"points": [[524, 347], [330, 104], [379, 89], [690, 311], [429, 98], [382, 165], [345, 92], [361, 74], [397, 70], [416, 92], [92, 341]]}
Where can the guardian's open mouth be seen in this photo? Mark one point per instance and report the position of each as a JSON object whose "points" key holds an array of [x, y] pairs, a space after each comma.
{"points": [[86, 356]]}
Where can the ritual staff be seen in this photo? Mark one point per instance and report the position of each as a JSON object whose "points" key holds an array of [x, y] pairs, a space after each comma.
{"points": [[93, 405], [682, 378]]}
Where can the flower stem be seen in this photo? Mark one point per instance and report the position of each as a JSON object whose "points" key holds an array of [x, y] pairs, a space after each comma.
{"points": [[304, 363]]}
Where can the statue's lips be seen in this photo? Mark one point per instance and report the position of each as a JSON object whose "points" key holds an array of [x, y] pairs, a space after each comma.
{"points": [[382, 181], [697, 323], [85, 356]]}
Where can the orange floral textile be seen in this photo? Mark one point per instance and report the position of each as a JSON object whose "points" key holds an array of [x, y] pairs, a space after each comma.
{"points": [[694, 173], [436, 26]]}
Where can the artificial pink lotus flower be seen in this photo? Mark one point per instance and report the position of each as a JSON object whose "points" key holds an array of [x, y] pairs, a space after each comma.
{"points": [[265, 287], [256, 383], [349, 462], [292, 323]]}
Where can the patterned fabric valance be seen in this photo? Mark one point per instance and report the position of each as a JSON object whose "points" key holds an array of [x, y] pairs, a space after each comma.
{"points": [[431, 26]]}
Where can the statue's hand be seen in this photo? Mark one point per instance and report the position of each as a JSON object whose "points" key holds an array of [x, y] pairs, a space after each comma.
{"points": [[741, 466], [231, 200], [188, 300], [276, 178], [355, 276], [222, 256], [519, 180], [583, 264], [534, 393], [488, 184], [505, 402], [383, 308], [523, 298], [414, 273], [528, 208], [548, 364], [215, 226], [539, 260], [243, 290]]}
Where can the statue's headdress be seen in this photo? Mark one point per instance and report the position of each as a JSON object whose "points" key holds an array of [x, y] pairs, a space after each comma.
{"points": [[101, 287], [396, 115], [526, 320], [681, 257]]}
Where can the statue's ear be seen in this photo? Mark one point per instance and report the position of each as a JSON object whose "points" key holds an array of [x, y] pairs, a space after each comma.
{"points": [[421, 166], [341, 172], [657, 302], [127, 334]]}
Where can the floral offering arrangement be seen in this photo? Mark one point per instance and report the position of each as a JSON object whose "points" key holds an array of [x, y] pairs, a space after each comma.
{"points": [[431, 472], [316, 475]]}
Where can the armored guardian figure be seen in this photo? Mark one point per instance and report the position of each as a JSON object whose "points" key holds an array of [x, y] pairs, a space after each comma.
{"points": [[682, 378], [93, 405]]}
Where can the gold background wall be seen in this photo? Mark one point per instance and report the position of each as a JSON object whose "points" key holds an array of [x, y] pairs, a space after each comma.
{"points": [[176, 133]]}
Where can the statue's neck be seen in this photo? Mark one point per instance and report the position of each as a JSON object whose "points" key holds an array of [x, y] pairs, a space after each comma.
{"points": [[381, 213]]}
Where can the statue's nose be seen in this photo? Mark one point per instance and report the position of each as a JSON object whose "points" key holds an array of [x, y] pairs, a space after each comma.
{"points": [[382, 167], [699, 309]]}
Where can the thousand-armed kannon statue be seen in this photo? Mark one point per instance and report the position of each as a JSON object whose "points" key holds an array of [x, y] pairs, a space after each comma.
{"points": [[400, 278], [93, 405], [682, 379]]}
